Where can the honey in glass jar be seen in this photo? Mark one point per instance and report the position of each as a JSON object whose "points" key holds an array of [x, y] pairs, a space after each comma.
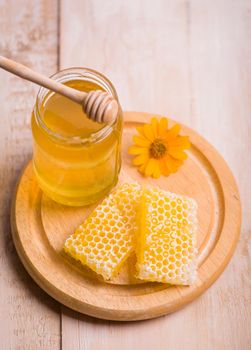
{"points": [[76, 160]]}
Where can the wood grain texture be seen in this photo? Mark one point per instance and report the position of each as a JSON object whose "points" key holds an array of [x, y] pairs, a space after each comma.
{"points": [[29, 318], [190, 60]]}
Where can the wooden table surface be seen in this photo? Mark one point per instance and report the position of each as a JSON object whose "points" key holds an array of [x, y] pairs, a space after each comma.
{"points": [[190, 60]]}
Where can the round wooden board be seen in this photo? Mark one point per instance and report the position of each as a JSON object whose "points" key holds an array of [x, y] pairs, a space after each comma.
{"points": [[40, 226]]}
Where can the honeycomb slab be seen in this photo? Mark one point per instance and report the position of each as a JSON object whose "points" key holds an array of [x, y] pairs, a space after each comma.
{"points": [[166, 248], [107, 237]]}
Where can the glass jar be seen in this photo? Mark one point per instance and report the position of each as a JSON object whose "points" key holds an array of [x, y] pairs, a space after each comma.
{"points": [[74, 168]]}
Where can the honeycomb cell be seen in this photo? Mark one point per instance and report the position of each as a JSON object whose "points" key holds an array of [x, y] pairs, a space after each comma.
{"points": [[174, 242], [107, 237]]}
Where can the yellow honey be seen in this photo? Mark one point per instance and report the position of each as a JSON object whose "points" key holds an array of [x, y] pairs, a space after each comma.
{"points": [[166, 248], [76, 161]]}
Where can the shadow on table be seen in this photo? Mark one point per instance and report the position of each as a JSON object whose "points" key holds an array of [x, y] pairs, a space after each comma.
{"points": [[70, 314]]}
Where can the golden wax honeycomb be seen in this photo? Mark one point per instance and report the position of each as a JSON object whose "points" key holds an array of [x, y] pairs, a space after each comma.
{"points": [[107, 237], [166, 249]]}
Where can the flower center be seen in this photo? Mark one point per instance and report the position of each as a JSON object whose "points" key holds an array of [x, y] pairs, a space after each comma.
{"points": [[157, 149]]}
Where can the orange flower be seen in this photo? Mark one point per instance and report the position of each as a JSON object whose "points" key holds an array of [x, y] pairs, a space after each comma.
{"points": [[159, 150]]}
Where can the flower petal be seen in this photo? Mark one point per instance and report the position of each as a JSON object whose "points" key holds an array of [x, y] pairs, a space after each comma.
{"points": [[150, 167], [163, 124], [148, 132], [172, 164], [154, 125], [140, 130], [157, 172], [141, 159], [177, 153], [135, 150], [141, 141], [163, 168], [180, 141], [142, 168], [173, 131]]}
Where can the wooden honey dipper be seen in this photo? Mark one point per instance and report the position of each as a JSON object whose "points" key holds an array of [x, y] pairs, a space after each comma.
{"points": [[97, 104]]}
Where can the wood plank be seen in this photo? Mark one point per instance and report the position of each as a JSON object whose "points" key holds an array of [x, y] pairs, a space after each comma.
{"points": [[29, 318], [190, 60], [109, 41], [220, 67]]}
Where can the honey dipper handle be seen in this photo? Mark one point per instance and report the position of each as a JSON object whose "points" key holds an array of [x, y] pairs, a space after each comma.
{"points": [[28, 74]]}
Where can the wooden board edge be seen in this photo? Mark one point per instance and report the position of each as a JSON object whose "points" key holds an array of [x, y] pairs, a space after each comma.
{"points": [[124, 314]]}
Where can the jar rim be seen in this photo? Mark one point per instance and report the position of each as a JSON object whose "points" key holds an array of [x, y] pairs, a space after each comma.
{"points": [[69, 74]]}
